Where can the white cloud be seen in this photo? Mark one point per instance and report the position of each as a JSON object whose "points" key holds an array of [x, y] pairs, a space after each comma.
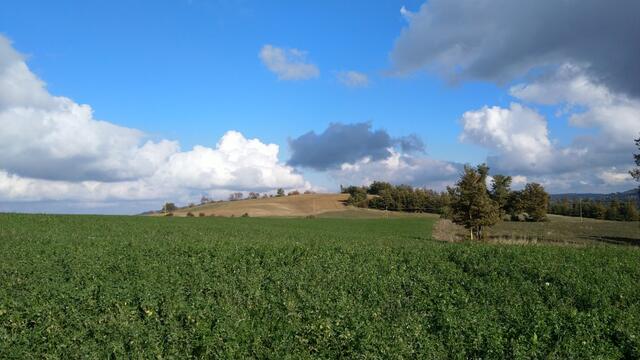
{"points": [[615, 177], [399, 168], [236, 162], [520, 142], [591, 105], [52, 137], [568, 84], [288, 64], [518, 134], [52, 149], [353, 79]]}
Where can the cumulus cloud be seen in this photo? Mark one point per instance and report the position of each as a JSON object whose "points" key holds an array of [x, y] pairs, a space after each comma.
{"points": [[581, 60], [399, 168], [520, 144], [518, 134], [357, 154], [235, 164], [498, 40], [353, 79], [288, 64], [53, 149], [52, 137], [347, 143]]}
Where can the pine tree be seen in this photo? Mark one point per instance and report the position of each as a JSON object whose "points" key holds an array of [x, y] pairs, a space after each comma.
{"points": [[471, 205], [500, 189], [535, 201], [629, 211]]}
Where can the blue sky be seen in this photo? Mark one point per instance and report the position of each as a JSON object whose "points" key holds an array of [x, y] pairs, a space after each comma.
{"points": [[190, 71]]}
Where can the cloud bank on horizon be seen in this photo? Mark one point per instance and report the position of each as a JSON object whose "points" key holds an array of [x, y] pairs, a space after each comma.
{"points": [[583, 62]]}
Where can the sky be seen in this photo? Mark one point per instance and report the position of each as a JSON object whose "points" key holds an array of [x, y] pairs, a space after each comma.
{"points": [[120, 106]]}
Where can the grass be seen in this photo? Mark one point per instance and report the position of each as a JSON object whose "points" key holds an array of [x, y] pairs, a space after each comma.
{"points": [[558, 230], [142, 287]]}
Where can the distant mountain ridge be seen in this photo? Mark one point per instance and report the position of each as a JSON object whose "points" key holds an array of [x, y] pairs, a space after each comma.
{"points": [[620, 196]]}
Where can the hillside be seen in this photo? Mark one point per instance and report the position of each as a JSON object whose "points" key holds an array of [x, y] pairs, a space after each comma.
{"points": [[620, 196], [297, 205]]}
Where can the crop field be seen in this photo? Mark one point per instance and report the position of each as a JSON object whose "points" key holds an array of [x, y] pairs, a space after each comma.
{"points": [[153, 287]]}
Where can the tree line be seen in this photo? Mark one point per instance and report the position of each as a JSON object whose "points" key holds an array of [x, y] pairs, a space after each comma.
{"points": [[611, 210], [470, 202]]}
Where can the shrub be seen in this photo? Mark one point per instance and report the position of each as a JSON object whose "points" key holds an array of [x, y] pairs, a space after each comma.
{"points": [[169, 207], [245, 215], [190, 214], [201, 214]]}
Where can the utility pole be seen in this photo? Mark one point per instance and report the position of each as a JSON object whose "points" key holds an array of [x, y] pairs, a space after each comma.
{"points": [[580, 209]]}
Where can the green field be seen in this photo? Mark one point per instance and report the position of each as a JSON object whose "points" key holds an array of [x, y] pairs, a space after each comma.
{"points": [[143, 287]]}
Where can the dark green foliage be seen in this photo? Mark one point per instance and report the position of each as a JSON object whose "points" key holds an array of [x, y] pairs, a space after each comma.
{"points": [[169, 207], [500, 191], [379, 186], [280, 192], [142, 287], [471, 205], [406, 198], [534, 202], [357, 196], [529, 204], [612, 210]]}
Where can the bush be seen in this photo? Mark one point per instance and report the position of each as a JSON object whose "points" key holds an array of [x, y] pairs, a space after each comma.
{"points": [[245, 215], [201, 214], [357, 196], [190, 214], [169, 207], [168, 214]]}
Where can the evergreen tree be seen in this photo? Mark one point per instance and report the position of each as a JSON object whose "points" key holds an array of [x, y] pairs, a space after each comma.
{"points": [[471, 205], [515, 205], [599, 211], [629, 212], [500, 189], [613, 211], [535, 201], [357, 196], [378, 186]]}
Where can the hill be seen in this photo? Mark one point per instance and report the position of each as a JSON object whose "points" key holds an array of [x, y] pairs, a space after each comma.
{"points": [[620, 196], [295, 205]]}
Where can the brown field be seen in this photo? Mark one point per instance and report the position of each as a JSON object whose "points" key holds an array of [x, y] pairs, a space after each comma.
{"points": [[558, 230], [296, 205], [317, 205]]}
